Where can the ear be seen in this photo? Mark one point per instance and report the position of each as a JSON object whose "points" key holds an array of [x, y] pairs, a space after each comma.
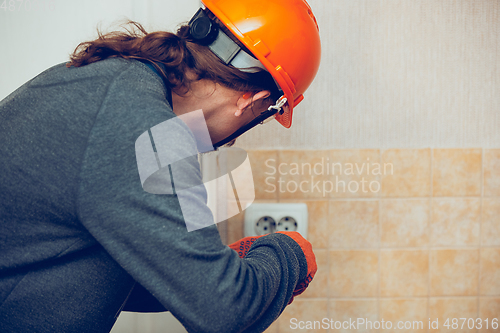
{"points": [[244, 102]]}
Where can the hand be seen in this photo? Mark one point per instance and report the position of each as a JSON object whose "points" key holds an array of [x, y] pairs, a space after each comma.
{"points": [[243, 246], [310, 258]]}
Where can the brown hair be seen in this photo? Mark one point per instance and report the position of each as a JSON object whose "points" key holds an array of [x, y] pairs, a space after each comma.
{"points": [[177, 52]]}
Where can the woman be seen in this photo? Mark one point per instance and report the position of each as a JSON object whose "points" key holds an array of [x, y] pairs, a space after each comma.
{"points": [[80, 238]]}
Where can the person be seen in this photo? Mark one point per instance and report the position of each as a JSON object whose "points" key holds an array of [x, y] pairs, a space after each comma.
{"points": [[81, 240]]}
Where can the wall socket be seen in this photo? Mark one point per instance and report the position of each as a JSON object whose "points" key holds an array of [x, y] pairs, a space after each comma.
{"points": [[266, 218]]}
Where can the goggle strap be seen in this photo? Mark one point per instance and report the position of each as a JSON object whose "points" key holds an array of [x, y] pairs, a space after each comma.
{"points": [[224, 47], [246, 63], [258, 120]]}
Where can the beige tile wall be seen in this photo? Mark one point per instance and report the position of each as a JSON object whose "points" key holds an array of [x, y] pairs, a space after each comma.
{"points": [[399, 234]]}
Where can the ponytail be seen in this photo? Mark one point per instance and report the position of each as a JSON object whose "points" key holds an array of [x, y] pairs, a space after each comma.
{"points": [[179, 55]]}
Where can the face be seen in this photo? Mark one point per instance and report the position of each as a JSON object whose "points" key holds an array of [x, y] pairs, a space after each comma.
{"points": [[225, 110]]}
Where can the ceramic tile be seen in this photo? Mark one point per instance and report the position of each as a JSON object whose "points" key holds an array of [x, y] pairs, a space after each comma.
{"points": [[301, 174], [490, 228], [318, 223], [222, 228], [489, 309], [490, 272], [353, 273], [233, 207], [412, 173], [353, 224], [317, 227], [355, 173], [404, 222], [443, 309], [319, 286], [230, 229], [456, 172], [492, 172], [235, 224], [304, 314], [454, 272], [348, 311], [404, 273], [274, 328], [455, 222], [239, 169], [404, 315], [263, 164], [234, 228]]}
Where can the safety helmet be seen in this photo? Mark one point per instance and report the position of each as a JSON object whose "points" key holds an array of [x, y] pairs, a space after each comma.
{"points": [[282, 34]]}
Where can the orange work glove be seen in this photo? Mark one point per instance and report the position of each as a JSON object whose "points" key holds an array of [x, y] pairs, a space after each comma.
{"points": [[310, 258], [243, 245]]}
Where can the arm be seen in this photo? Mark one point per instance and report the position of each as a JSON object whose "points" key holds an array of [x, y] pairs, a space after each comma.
{"points": [[192, 274]]}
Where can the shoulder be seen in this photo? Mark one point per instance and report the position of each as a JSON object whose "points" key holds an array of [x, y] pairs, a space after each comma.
{"points": [[131, 76]]}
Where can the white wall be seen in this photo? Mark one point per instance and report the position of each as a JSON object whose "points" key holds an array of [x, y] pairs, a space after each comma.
{"points": [[399, 74], [33, 40]]}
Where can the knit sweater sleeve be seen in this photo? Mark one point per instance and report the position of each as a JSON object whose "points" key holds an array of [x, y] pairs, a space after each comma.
{"points": [[204, 283]]}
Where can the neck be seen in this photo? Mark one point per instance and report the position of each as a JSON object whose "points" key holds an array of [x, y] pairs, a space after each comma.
{"points": [[202, 116]]}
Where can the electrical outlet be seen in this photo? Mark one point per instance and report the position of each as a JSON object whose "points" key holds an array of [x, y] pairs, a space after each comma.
{"points": [[287, 223], [265, 225], [265, 218]]}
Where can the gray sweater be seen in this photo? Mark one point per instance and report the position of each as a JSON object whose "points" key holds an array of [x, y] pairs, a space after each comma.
{"points": [[80, 240]]}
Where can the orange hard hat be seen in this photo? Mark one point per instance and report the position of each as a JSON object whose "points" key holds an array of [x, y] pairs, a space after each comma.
{"points": [[283, 35]]}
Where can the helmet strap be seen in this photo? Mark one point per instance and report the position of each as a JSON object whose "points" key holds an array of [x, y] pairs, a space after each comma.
{"points": [[279, 105]]}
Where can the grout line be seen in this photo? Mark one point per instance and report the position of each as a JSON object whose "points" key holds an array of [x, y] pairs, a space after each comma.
{"points": [[361, 298], [422, 248], [429, 235], [379, 232], [376, 198], [482, 172], [328, 262], [278, 157], [379, 276], [329, 298], [480, 236]]}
